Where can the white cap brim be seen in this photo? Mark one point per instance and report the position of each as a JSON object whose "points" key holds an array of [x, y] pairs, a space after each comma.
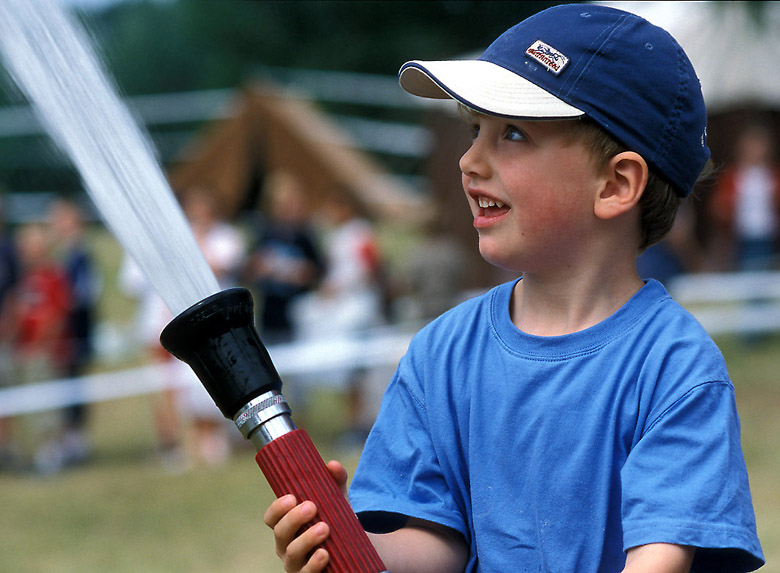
{"points": [[484, 87]]}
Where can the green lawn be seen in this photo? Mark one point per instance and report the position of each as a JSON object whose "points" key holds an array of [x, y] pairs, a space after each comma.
{"points": [[125, 512], [756, 377]]}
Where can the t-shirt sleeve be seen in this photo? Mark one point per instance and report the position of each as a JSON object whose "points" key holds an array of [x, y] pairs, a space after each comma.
{"points": [[685, 482], [399, 475]]}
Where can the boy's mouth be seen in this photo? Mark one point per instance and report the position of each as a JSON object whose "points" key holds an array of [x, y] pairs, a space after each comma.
{"points": [[491, 207]]}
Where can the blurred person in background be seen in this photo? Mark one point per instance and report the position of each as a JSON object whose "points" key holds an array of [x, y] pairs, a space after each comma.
{"points": [[151, 316], [745, 206], [349, 300], [9, 275], [285, 261], [40, 336], [221, 242], [68, 225], [184, 403], [225, 251]]}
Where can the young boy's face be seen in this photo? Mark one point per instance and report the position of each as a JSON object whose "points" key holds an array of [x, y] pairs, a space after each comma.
{"points": [[531, 187]]}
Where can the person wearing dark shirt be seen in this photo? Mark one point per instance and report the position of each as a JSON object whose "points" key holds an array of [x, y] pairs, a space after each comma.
{"points": [[285, 261]]}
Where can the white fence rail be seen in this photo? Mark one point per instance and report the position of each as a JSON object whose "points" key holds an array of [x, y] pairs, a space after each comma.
{"points": [[741, 303], [379, 349]]}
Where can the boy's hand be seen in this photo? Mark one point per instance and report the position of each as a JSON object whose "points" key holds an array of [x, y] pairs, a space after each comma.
{"points": [[286, 517]]}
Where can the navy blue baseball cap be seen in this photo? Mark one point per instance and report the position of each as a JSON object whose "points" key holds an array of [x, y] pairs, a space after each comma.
{"points": [[628, 75]]}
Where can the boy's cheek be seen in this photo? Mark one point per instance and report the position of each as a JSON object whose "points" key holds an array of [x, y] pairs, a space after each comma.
{"points": [[562, 214]]}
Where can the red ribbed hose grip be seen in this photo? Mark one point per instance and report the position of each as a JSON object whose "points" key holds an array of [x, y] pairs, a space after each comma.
{"points": [[292, 464]]}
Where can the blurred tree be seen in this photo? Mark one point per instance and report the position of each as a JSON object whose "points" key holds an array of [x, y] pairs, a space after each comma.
{"points": [[155, 46]]}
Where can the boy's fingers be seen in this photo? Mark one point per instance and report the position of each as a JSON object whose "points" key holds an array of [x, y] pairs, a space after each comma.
{"points": [[339, 473], [317, 562], [278, 509], [294, 545], [296, 548], [302, 552], [287, 528]]}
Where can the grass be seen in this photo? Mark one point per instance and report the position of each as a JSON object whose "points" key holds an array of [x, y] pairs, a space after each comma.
{"points": [[124, 512], [755, 375]]}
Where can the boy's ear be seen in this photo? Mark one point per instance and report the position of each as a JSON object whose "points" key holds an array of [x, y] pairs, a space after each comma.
{"points": [[626, 177]]}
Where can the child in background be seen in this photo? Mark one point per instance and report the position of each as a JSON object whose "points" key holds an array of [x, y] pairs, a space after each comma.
{"points": [[348, 301], [285, 262], [576, 419], [745, 205], [67, 223], [42, 342], [9, 275], [223, 246]]}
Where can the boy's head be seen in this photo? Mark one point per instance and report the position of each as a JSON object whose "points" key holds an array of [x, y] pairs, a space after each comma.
{"points": [[629, 77]]}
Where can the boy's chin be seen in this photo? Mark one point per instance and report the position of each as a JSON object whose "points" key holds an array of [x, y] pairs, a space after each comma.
{"points": [[498, 259]]}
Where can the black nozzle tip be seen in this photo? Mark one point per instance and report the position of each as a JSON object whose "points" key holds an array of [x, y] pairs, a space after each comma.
{"points": [[219, 341]]}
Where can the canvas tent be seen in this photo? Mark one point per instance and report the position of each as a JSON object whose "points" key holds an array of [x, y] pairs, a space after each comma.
{"points": [[272, 130]]}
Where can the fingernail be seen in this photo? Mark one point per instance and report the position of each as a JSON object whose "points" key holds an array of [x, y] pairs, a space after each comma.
{"points": [[309, 509], [287, 501]]}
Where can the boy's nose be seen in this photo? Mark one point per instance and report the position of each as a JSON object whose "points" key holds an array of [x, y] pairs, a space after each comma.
{"points": [[473, 161]]}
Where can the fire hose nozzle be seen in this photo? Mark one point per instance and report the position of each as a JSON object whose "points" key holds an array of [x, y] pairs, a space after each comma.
{"points": [[217, 338]]}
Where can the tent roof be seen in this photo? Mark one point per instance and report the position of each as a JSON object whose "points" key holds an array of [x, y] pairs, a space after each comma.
{"points": [[273, 130]]}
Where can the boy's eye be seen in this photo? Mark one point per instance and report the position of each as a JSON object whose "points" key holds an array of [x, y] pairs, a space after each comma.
{"points": [[513, 133], [474, 130]]}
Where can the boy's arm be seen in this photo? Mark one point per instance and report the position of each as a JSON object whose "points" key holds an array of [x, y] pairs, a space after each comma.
{"points": [[659, 558], [421, 547]]}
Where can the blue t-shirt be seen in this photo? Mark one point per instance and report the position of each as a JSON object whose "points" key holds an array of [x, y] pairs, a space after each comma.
{"points": [[559, 453]]}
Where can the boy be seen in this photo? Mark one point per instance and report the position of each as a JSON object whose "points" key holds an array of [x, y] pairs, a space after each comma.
{"points": [[576, 419]]}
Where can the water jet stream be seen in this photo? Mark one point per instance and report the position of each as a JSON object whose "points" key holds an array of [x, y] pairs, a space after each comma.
{"points": [[50, 58]]}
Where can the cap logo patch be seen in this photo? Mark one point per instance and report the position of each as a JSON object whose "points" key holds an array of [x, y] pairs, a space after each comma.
{"points": [[548, 56]]}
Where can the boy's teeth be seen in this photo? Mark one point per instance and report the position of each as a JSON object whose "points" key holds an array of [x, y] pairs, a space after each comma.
{"points": [[485, 203]]}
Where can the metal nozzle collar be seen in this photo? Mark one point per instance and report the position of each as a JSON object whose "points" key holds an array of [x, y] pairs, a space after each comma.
{"points": [[259, 411]]}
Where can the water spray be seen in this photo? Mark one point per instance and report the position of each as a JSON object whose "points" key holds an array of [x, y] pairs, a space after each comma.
{"points": [[50, 58]]}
